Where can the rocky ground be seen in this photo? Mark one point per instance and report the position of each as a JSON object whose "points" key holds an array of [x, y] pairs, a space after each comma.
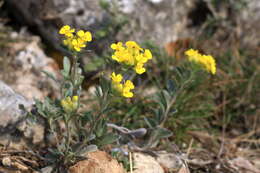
{"points": [[29, 44]]}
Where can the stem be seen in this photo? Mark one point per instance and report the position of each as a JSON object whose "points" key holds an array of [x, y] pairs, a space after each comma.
{"points": [[67, 136], [74, 72], [165, 116]]}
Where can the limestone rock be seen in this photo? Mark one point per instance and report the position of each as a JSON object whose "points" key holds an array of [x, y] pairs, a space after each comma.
{"points": [[157, 20], [9, 105], [15, 130], [24, 63], [97, 162], [169, 161], [144, 163]]}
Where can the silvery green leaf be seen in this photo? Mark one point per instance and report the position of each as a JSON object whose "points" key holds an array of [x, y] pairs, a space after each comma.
{"points": [[170, 86], [87, 149], [100, 128], [91, 137], [166, 96], [137, 133], [66, 65], [108, 139], [49, 75]]}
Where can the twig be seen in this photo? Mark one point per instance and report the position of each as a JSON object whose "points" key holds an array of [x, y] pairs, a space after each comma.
{"points": [[131, 162], [190, 146]]}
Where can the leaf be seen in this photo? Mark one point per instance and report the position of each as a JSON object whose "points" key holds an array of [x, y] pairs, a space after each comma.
{"points": [[108, 139], [150, 122], [163, 133], [68, 89], [66, 65], [87, 149], [159, 116], [86, 117], [91, 137], [105, 84], [98, 91], [100, 128], [171, 86], [156, 135], [138, 133], [166, 96], [48, 74]]}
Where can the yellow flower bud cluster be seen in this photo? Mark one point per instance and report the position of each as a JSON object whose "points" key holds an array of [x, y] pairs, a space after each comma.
{"points": [[123, 88], [206, 61], [70, 104], [75, 41], [131, 54]]}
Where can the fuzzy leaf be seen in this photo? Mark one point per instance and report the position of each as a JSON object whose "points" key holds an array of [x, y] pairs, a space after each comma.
{"points": [[66, 65], [108, 139], [49, 75], [87, 149]]}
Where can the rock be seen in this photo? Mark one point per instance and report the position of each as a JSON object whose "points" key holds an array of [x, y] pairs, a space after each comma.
{"points": [[169, 161], [155, 1], [47, 169], [146, 19], [144, 163], [15, 130], [97, 162], [243, 165], [161, 21], [9, 106], [23, 68], [22, 80], [31, 82], [6, 161], [127, 6]]}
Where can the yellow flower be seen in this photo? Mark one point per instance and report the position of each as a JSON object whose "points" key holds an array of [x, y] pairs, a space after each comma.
{"points": [[193, 55], [139, 69], [75, 99], [65, 30], [78, 44], [148, 54], [127, 93], [132, 44], [70, 105], [129, 84], [68, 42], [132, 55], [117, 46], [85, 36], [209, 63], [206, 61], [123, 88], [118, 87], [116, 78], [75, 41]]}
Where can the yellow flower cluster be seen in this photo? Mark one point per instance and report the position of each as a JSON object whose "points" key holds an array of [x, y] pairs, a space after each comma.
{"points": [[75, 41], [131, 54], [123, 88], [206, 61], [70, 105]]}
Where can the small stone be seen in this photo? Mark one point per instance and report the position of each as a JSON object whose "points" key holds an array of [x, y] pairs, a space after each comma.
{"points": [[47, 169], [144, 163], [6, 161], [155, 1], [170, 161], [97, 162]]}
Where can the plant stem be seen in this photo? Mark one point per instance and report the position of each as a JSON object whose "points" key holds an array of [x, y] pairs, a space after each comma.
{"points": [[67, 136], [74, 72]]}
